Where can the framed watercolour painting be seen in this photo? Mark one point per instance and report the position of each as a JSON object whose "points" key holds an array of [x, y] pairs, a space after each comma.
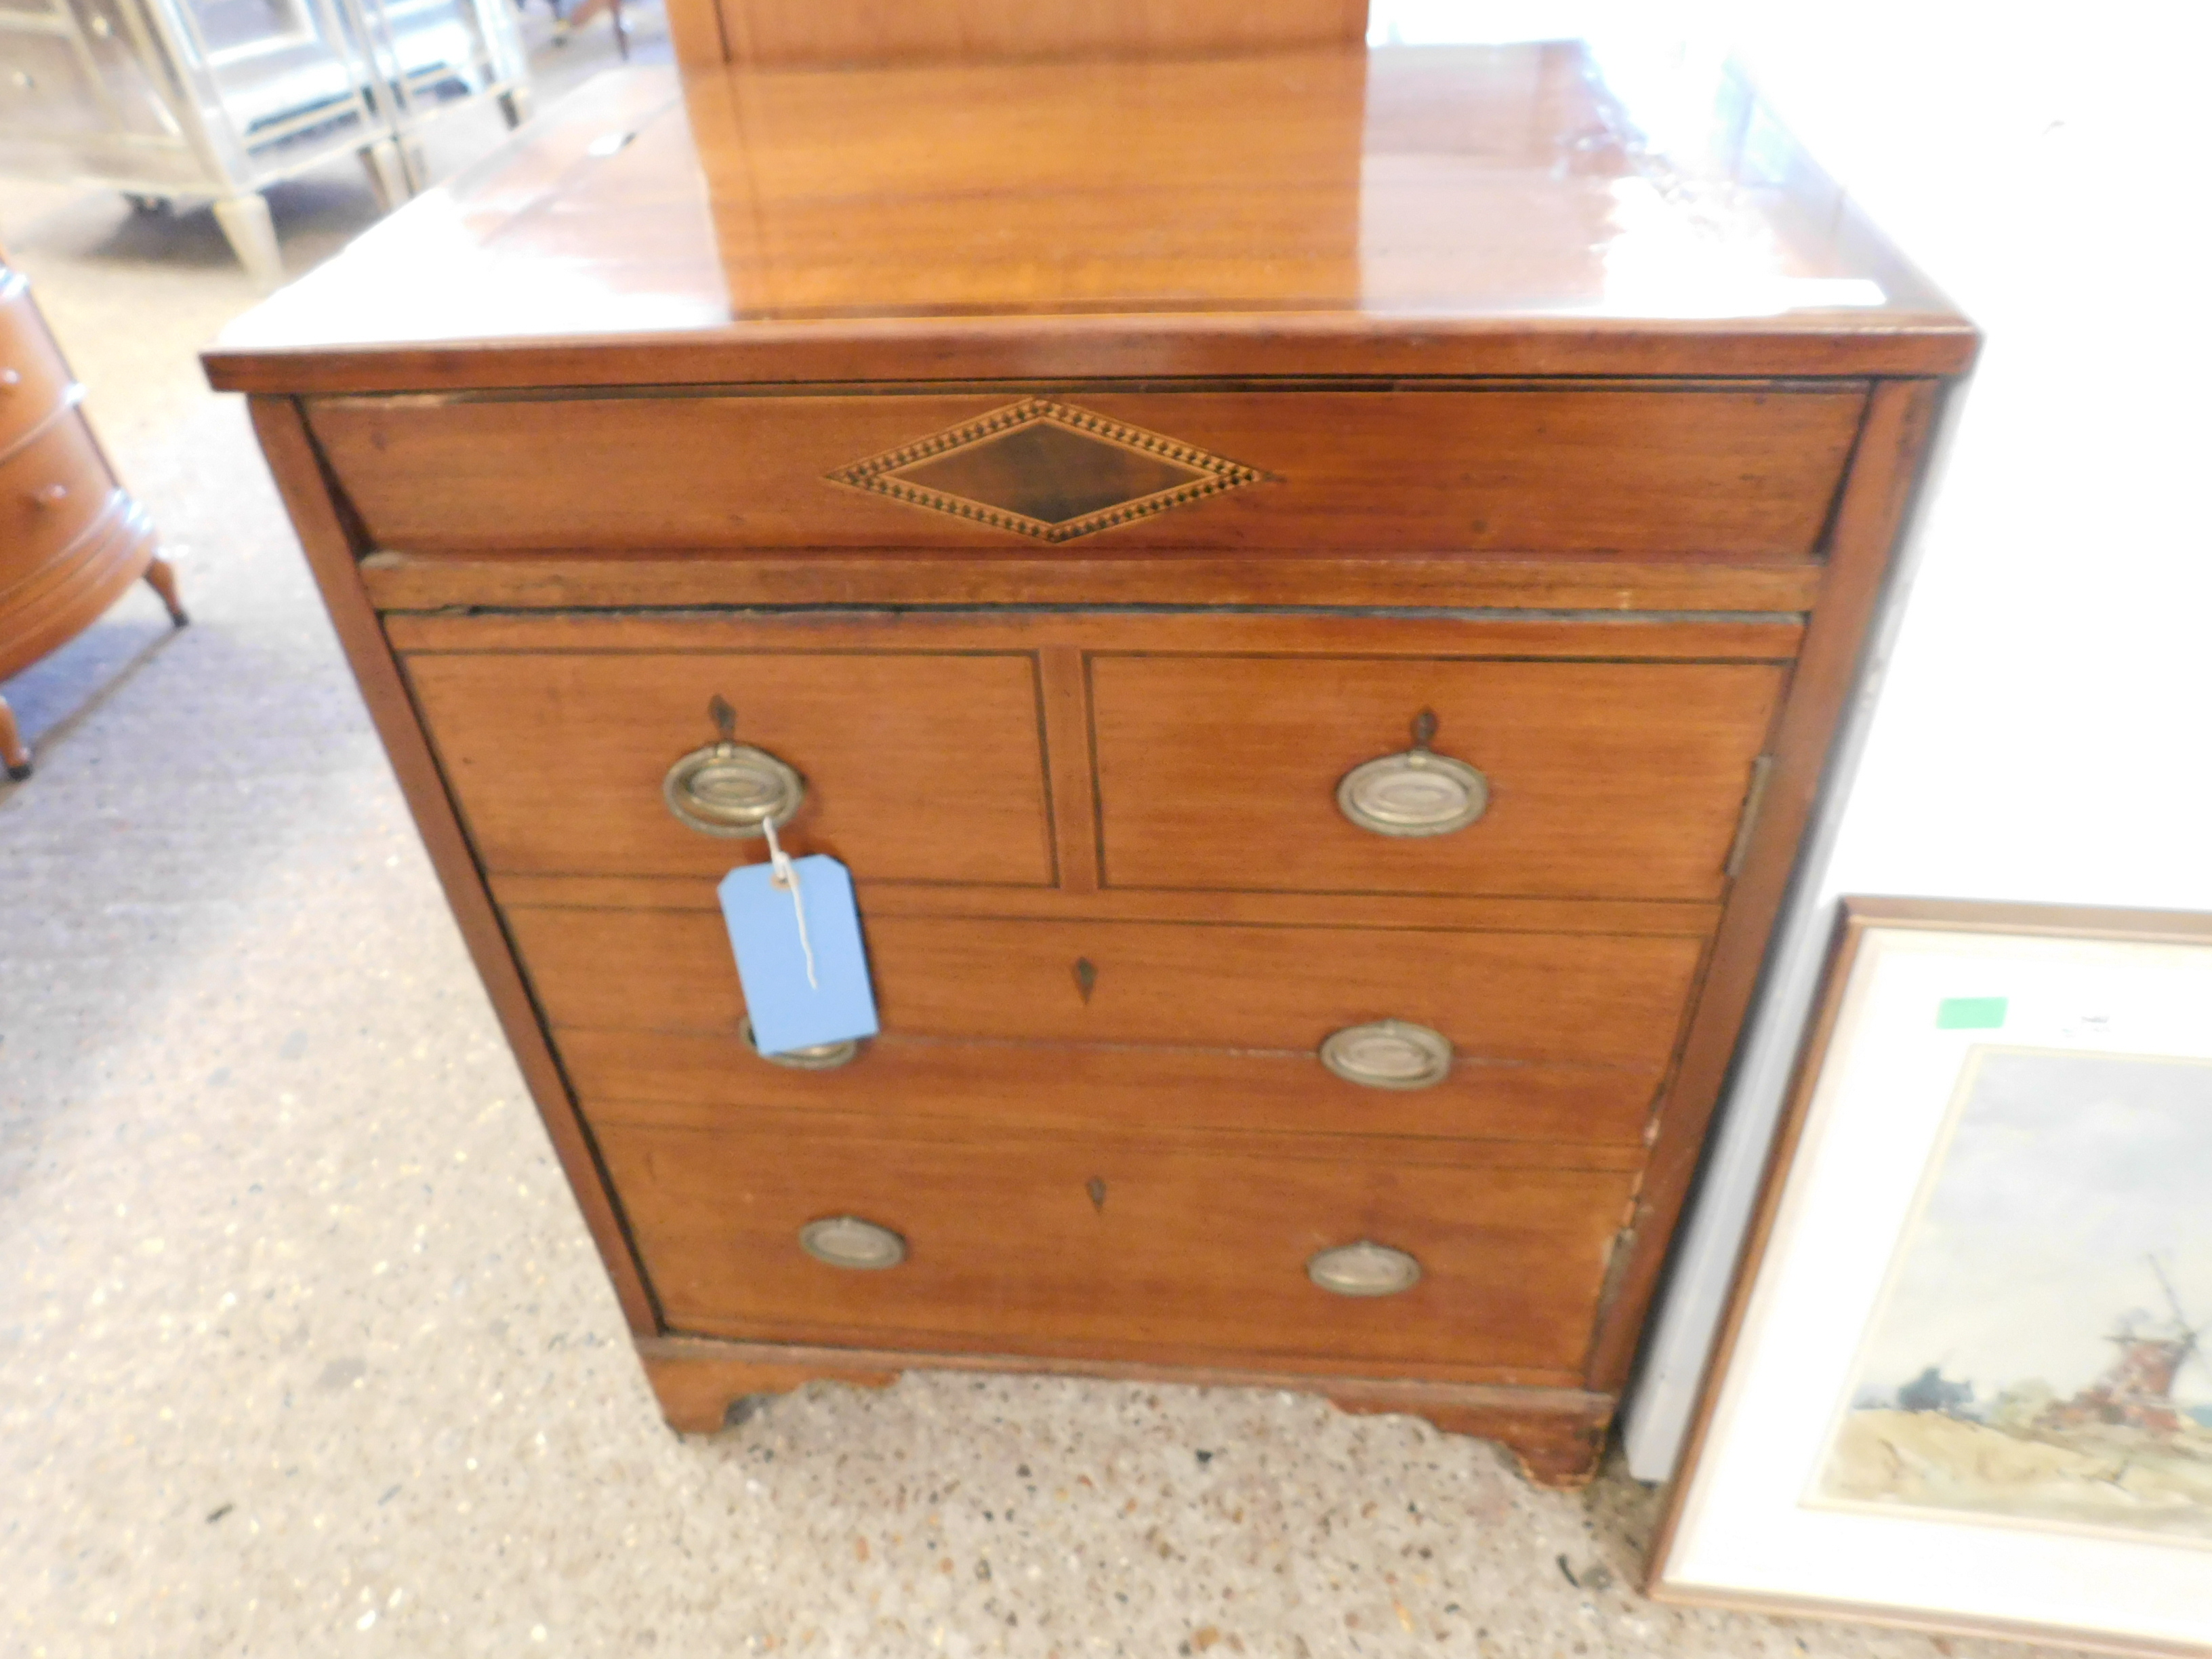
{"points": [[1966, 1381]]}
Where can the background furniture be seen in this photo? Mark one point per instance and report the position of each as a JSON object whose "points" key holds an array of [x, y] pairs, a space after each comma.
{"points": [[70, 539], [1310, 588], [164, 99]]}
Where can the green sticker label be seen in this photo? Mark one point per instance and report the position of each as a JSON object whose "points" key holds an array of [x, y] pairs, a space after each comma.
{"points": [[1970, 1013]]}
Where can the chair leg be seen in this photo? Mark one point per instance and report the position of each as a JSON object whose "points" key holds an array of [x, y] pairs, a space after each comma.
{"points": [[12, 751], [161, 577], [252, 235]]}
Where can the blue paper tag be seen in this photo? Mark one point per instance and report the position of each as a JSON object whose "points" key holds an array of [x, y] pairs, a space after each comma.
{"points": [[789, 1008]]}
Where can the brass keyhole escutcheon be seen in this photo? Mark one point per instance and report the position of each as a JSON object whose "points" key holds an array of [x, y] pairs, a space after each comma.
{"points": [[1086, 977]]}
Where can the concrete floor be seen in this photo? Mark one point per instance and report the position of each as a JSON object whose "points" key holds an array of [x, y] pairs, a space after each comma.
{"points": [[303, 1349]]}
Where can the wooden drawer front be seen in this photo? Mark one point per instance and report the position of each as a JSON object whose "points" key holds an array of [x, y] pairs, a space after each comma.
{"points": [[1583, 999], [32, 377], [1606, 780], [52, 489], [927, 768], [1725, 469], [711, 1080], [1181, 1249]]}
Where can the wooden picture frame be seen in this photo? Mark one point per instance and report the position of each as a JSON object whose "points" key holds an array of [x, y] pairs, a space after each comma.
{"points": [[1964, 1383]]}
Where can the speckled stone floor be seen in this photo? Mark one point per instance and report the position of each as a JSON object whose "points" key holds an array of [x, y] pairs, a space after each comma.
{"points": [[303, 1350]]}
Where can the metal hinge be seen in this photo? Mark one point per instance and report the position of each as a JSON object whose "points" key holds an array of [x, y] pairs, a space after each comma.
{"points": [[1761, 770]]}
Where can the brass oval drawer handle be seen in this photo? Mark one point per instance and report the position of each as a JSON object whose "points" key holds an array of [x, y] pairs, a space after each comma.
{"points": [[53, 494], [1389, 1054], [732, 788], [817, 1057], [845, 1241], [1364, 1269], [1415, 793]]}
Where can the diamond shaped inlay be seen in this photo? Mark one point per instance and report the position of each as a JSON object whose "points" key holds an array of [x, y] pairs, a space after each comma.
{"points": [[1047, 470]]}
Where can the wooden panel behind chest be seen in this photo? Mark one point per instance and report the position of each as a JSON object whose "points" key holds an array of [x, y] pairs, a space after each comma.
{"points": [[1605, 779], [1180, 1248], [1718, 470]]}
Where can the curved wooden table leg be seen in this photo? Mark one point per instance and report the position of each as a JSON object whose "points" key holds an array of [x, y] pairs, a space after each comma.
{"points": [[13, 751], [161, 577]]}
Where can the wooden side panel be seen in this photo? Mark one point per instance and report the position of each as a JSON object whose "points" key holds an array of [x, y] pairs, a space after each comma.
{"points": [[918, 767], [703, 1080], [1715, 470], [330, 553], [764, 33], [1611, 780], [1120, 1248], [1581, 999], [1891, 452]]}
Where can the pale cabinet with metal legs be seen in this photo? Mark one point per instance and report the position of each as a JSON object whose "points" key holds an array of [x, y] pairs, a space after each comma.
{"points": [[216, 99]]}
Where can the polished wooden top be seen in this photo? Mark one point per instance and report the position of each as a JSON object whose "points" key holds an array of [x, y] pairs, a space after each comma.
{"points": [[1516, 209]]}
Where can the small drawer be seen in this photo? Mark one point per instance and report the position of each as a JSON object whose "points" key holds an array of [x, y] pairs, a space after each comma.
{"points": [[33, 379], [1587, 780], [908, 767], [1582, 999], [1180, 1248], [1723, 469], [52, 489], [711, 1080]]}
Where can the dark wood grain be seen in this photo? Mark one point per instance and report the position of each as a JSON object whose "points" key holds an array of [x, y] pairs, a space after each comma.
{"points": [[1713, 470], [766, 31], [918, 767], [1065, 703], [1611, 780], [1196, 1254], [1585, 999], [699, 1080], [1403, 213], [1402, 411]]}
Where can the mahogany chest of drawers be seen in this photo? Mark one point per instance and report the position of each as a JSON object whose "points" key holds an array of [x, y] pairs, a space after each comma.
{"points": [[1311, 591]]}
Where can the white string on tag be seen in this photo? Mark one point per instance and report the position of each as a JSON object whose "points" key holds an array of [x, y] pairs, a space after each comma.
{"points": [[787, 878]]}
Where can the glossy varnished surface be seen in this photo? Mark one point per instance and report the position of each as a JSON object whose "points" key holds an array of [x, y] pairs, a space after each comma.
{"points": [[1432, 209]]}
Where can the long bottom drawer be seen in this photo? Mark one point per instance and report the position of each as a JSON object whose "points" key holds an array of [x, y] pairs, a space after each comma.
{"points": [[1193, 1250]]}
